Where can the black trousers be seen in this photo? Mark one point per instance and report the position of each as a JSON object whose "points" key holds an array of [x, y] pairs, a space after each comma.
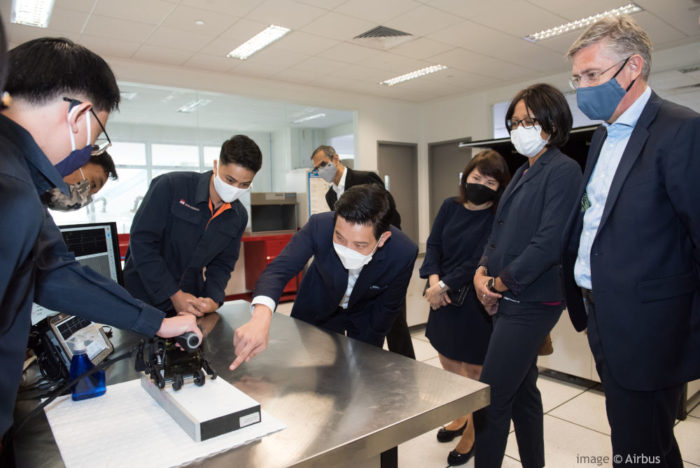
{"points": [[510, 368], [641, 422], [399, 338]]}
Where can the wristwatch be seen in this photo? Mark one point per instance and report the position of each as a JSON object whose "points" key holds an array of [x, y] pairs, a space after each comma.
{"points": [[492, 285], [442, 285]]}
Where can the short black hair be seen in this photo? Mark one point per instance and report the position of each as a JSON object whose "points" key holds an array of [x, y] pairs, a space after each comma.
{"points": [[490, 163], [549, 107], [49, 67], [3, 58], [107, 163], [366, 204], [243, 151]]}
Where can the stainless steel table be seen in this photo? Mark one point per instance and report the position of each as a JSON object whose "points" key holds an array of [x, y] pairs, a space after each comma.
{"points": [[344, 402]]}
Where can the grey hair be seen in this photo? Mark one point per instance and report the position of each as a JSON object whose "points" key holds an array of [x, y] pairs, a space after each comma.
{"points": [[621, 35], [327, 150]]}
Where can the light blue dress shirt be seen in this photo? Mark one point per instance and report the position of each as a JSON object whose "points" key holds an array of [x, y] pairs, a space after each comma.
{"points": [[598, 187]]}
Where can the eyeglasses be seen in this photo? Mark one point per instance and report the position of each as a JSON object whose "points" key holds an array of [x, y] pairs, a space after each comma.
{"points": [[527, 122], [320, 165], [101, 144], [593, 76]]}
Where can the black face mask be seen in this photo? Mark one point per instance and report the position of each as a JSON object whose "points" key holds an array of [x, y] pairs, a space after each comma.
{"points": [[479, 193]]}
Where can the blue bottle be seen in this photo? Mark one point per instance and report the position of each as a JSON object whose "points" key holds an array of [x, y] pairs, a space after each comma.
{"points": [[87, 387]]}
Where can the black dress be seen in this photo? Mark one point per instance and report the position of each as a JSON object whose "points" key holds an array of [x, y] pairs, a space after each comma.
{"points": [[454, 247]]}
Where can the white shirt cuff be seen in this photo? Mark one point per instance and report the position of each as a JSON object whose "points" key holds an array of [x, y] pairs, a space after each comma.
{"points": [[264, 300]]}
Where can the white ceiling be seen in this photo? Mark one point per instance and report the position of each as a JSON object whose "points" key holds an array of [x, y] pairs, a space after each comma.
{"points": [[479, 40], [158, 105]]}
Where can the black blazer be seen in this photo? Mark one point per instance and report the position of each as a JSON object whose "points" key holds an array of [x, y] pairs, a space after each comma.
{"points": [[377, 296], [645, 258], [363, 177], [524, 246]]}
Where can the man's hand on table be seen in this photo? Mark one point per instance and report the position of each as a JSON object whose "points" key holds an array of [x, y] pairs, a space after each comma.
{"points": [[251, 338]]}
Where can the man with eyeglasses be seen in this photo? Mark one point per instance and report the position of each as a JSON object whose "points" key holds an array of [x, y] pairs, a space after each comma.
{"points": [[631, 248], [329, 167], [40, 138]]}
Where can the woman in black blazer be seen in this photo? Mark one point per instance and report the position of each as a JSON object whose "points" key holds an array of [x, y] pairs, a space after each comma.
{"points": [[460, 331], [519, 276]]}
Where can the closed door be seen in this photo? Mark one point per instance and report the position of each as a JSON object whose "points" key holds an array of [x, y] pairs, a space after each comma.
{"points": [[446, 160], [399, 161]]}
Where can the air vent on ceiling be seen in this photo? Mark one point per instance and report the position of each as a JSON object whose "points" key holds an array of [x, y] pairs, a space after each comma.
{"points": [[382, 38]]}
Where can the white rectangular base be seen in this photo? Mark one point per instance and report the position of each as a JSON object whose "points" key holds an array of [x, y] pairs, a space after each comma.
{"points": [[215, 408]]}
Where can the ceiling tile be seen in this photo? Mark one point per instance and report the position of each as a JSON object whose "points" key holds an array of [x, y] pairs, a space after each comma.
{"points": [[394, 64], [328, 4], [280, 58], [469, 34], [360, 72], [571, 10], [305, 43], [75, 5], [522, 19], [178, 39], [152, 11], [118, 28], [162, 55], [218, 63], [347, 52], [242, 30], [184, 17], [67, 20], [421, 48], [286, 13], [19, 33], [376, 11], [423, 20], [322, 65], [232, 8], [681, 14], [110, 48], [659, 31], [472, 62], [462, 8], [297, 76], [339, 27]]}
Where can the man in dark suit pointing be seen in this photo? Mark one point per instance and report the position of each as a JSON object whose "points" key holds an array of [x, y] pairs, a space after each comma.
{"points": [[356, 283], [327, 162], [632, 248]]}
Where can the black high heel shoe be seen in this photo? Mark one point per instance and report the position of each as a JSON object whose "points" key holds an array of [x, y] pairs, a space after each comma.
{"points": [[455, 458], [446, 435]]}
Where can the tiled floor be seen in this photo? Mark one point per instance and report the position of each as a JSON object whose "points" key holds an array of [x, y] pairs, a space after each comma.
{"points": [[575, 425]]}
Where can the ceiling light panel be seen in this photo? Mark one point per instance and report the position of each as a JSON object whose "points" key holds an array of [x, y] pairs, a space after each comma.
{"points": [[310, 117], [413, 75], [582, 23], [32, 12], [258, 42]]}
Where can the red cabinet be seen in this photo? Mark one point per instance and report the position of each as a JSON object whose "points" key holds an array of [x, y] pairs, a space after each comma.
{"points": [[259, 251]]}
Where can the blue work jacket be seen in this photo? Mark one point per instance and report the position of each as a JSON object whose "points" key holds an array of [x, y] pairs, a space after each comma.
{"points": [[175, 236], [36, 266]]}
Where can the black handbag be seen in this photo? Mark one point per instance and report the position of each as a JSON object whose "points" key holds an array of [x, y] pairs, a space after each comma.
{"points": [[457, 296]]}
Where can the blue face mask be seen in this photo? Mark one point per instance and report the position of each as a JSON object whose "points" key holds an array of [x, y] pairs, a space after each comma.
{"points": [[77, 157], [599, 102]]}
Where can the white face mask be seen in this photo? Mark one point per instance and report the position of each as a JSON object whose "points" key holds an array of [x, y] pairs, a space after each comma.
{"points": [[352, 259], [528, 141], [327, 172], [227, 192]]}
